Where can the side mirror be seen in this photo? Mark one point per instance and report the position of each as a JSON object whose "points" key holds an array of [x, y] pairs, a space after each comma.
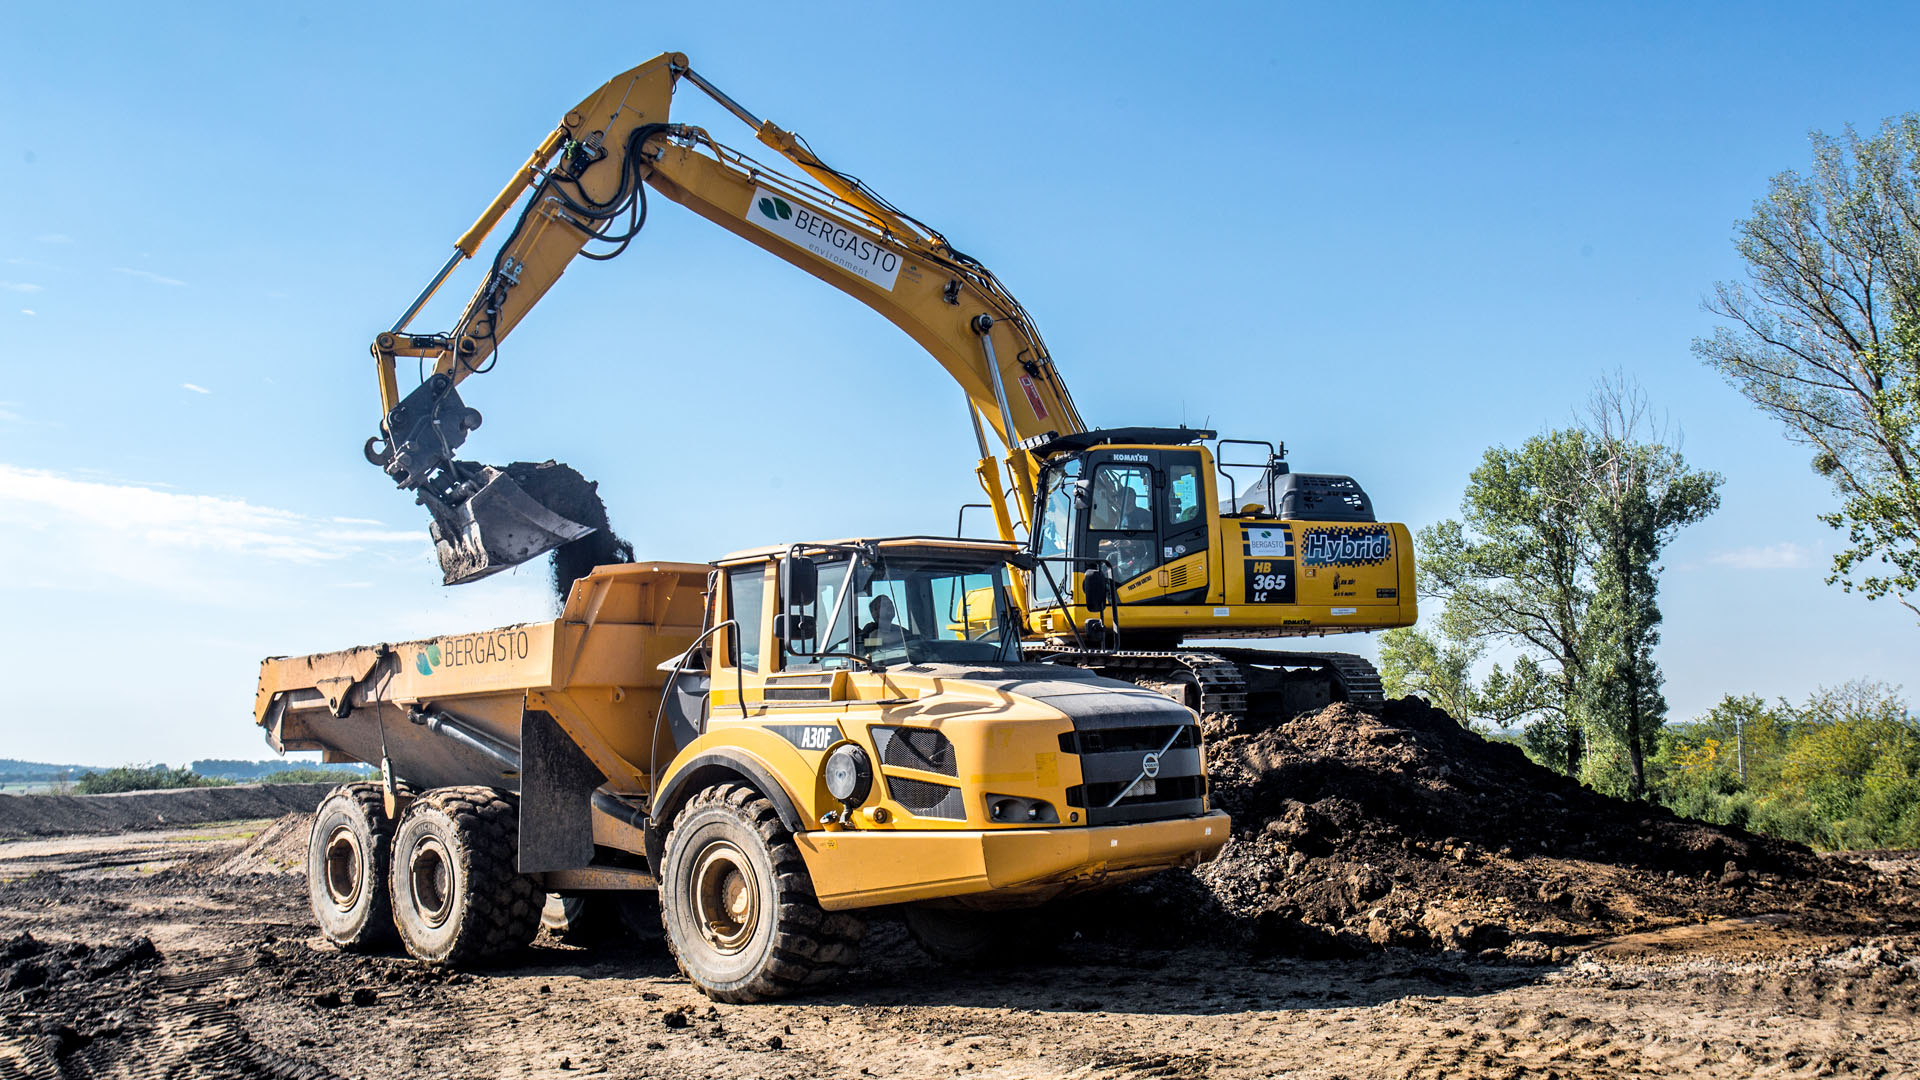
{"points": [[799, 582], [1082, 494], [792, 628], [1095, 590]]}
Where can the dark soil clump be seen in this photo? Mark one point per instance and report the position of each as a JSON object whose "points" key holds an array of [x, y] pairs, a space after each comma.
{"points": [[1357, 829], [561, 489]]}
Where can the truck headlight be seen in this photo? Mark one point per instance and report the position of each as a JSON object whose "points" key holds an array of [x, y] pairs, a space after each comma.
{"points": [[848, 774]]}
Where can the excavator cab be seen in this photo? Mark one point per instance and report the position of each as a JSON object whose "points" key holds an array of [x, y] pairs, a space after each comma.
{"points": [[1193, 545]]}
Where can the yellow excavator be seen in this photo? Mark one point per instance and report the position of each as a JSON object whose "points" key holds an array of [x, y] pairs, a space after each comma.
{"points": [[1142, 538]]}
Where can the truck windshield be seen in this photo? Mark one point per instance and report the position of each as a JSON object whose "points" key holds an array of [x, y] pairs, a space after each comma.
{"points": [[916, 610]]}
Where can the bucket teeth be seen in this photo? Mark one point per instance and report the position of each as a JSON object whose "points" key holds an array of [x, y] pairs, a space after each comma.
{"points": [[499, 526]]}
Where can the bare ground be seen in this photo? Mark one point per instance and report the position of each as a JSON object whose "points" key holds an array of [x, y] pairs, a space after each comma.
{"points": [[239, 985]]}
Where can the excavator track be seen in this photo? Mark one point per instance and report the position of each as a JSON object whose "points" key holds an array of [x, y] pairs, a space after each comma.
{"points": [[1252, 688]]}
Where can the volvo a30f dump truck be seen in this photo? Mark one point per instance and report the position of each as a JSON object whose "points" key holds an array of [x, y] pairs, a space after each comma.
{"points": [[769, 745]]}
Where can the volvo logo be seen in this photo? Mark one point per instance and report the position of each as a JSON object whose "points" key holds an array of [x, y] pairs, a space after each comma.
{"points": [[1150, 765]]}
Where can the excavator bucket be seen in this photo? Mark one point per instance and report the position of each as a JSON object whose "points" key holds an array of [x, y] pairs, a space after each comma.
{"points": [[502, 524]]}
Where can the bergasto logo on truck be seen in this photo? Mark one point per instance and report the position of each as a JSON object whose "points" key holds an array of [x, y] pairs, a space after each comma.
{"points": [[846, 248], [494, 647]]}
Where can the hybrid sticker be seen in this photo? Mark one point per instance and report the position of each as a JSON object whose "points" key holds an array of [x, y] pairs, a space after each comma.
{"points": [[1346, 545], [858, 252]]}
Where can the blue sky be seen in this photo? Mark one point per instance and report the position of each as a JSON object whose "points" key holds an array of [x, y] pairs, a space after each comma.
{"points": [[1391, 235]]}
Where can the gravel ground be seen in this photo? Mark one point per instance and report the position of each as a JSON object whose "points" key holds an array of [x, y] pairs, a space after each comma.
{"points": [[192, 954]]}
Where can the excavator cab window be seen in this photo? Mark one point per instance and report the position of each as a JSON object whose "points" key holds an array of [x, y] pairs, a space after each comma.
{"points": [[1120, 519]]}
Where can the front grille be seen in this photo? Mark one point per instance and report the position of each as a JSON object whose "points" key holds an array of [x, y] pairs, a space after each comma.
{"points": [[1174, 789], [915, 748], [1112, 759], [1140, 740], [927, 800]]}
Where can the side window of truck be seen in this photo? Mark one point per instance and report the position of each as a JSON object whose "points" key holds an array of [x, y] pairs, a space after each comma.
{"points": [[746, 586]]}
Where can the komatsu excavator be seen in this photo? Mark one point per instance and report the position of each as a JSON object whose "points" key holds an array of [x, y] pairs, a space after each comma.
{"points": [[1143, 538]]}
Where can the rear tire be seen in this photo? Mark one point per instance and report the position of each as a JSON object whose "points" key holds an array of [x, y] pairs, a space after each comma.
{"points": [[739, 907], [457, 898], [348, 851]]}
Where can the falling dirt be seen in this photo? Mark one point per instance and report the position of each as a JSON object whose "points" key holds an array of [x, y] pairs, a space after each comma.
{"points": [[561, 489]]}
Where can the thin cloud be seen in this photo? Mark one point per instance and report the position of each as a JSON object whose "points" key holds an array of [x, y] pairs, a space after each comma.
{"points": [[1785, 555], [54, 238], [28, 311], [195, 389], [20, 287], [153, 536], [9, 413], [148, 275]]}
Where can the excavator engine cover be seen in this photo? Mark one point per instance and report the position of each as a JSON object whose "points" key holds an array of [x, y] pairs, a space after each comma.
{"points": [[496, 527]]}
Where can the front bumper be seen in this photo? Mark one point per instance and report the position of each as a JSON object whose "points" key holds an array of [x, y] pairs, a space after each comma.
{"points": [[869, 867]]}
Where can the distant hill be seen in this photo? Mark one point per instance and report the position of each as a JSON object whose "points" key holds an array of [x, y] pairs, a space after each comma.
{"points": [[14, 771]]}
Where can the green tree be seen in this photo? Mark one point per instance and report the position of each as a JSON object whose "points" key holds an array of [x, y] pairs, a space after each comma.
{"points": [[1556, 558], [1640, 492], [1512, 573], [1825, 338]]}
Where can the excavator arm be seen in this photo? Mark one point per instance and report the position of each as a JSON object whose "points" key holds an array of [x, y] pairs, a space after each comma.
{"points": [[585, 192]]}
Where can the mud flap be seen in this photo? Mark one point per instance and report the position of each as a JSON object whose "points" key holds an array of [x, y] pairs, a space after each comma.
{"points": [[497, 527], [557, 782]]}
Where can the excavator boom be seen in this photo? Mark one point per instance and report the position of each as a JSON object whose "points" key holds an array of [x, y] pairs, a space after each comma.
{"points": [[586, 184]]}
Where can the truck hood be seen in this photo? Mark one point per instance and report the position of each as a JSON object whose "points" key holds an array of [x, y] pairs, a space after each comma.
{"points": [[1089, 700]]}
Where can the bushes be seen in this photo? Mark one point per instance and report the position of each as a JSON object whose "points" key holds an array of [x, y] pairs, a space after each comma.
{"points": [[141, 778], [1841, 772], [316, 776]]}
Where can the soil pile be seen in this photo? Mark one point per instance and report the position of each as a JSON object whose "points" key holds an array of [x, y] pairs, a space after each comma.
{"points": [[70, 815], [561, 489], [1357, 829], [280, 848]]}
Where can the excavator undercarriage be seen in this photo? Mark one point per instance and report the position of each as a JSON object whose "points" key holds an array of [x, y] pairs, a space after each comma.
{"points": [[1244, 690]]}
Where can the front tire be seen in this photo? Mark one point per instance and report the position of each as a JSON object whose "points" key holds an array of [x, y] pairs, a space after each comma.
{"points": [[739, 907], [348, 851], [457, 898]]}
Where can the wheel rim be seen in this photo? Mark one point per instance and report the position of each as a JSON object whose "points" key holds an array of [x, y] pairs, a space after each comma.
{"points": [[342, 871], [432, 875], [726, 897]]}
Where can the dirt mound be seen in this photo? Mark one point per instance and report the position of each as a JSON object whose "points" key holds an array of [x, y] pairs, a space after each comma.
{"points": [[280, 848], [561, 489], [67, 815], [1357, 829]]}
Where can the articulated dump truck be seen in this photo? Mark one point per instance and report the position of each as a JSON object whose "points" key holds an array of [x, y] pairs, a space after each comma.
{"points": [[759, 750]]}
